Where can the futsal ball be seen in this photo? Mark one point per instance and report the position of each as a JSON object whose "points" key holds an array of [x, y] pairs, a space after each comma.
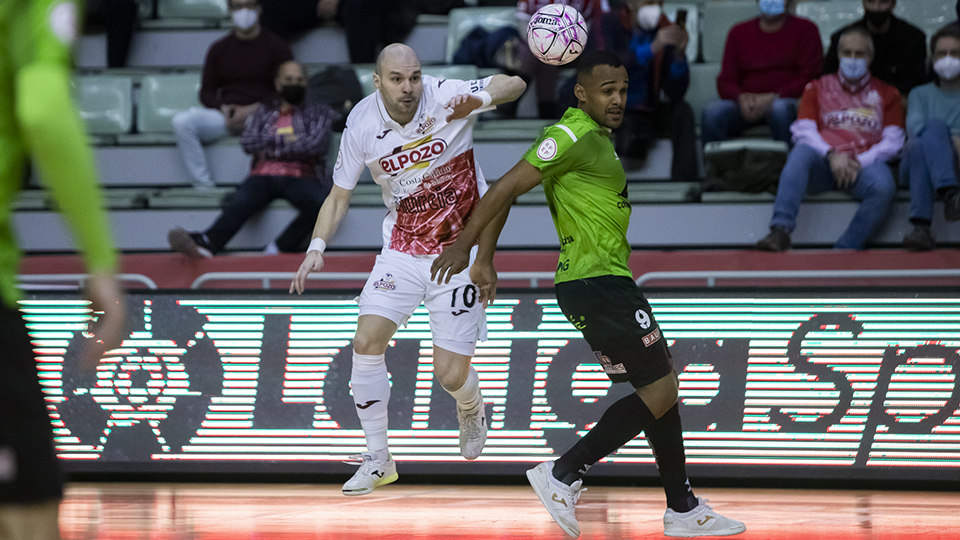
{"points": [[556, 34]]}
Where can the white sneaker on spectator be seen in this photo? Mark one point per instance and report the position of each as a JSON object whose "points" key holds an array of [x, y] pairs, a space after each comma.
{"points": [[372, 474], [701, 521], [473, 431], [558, 498], [271, 249]]}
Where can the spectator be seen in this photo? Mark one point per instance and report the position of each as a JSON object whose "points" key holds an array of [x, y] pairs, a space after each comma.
{"points": [[545, 76], [933, 128], [368, 24], [289, 141], [766, 63], [849, 125], [653, 51], [238, 73], [118, 17], [901, 47]]}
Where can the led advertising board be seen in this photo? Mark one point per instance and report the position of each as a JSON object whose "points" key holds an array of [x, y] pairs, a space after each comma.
{"points": [[789, 384]]}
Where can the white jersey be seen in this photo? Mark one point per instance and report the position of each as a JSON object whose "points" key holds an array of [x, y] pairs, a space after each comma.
{"points": [[430, 179]]}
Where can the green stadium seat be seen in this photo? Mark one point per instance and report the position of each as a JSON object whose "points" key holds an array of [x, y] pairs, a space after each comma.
{"points": [[146, 8], [693, 25], [832, 15], [105, 103], [718, 19], [162, 96], [703, 87], [462, 20], [466, 73], [192, 9], [928, 15]]}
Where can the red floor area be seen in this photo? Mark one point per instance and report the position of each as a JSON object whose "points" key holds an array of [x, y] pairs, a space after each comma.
{"points": [[173, 271], [314, 512]]}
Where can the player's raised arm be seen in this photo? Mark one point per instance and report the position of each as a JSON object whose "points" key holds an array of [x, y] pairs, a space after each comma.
{"points": [[330, 216], [520, 179], [501, 89]]}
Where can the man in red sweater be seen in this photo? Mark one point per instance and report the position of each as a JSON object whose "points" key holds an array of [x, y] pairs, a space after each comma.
{"points": [[237, 75], [849, 125], [766, 63]]}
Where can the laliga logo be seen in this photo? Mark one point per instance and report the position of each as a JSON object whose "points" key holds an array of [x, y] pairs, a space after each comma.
{"points": [[426, 152]]}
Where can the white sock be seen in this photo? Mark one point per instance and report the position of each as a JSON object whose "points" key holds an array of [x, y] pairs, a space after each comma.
{"points": [[468, 396], [371, 392]]}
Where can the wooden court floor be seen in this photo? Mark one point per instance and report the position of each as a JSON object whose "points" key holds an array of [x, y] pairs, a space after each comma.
{"points": [[300, 512]]}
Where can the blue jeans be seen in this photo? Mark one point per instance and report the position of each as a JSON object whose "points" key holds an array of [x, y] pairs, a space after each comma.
{"points": [[930, 159], [193, 128], [807, 171], [722, 120]]}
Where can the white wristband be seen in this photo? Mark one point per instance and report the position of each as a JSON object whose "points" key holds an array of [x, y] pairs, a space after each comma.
{"points": [[485, 96], [317, 244]]}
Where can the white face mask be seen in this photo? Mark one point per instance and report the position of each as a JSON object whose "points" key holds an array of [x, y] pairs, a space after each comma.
{"points": [[648, 17], [245, 18], [947, 67], [853, 69]]}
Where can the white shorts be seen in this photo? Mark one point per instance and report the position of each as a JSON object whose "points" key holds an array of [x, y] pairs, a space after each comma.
{"points": [[399, 283]]}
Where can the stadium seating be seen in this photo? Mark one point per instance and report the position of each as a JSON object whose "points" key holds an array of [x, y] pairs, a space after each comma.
{"points": [[105, 103], [463, 20], [192, 9], [831, 16], [162, 96], [718, 19]]}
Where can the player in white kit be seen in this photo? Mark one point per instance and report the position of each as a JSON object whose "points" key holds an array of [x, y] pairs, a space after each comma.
{"points": [[415, 134]]}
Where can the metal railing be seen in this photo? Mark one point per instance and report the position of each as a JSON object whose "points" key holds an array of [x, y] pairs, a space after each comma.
{"points": [[48, 281], [712, 276], [265, 278]]}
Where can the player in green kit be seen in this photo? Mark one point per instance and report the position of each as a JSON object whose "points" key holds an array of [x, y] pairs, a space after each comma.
{"points": [[586, 191], [38, 120]]}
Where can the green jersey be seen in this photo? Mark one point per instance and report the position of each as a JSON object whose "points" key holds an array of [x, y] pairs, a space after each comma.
{"points": [[586, 191], [38, 118]]}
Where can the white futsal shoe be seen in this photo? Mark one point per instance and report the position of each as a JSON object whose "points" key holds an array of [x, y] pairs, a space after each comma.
{"points": [[473, 431], [701, 521], [372, 474], [558, 498]]}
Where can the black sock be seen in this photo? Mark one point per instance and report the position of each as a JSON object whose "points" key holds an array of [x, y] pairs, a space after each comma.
{"points": [[666, 438], [920, 221], [620, 423], [947, 192]]}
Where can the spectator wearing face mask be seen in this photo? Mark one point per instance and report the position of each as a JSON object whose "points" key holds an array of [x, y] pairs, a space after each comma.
{"points": [[767, 62], [933, 130], [238, 73], [288, 140], [653, 50], [848, 126], [901, 47]]}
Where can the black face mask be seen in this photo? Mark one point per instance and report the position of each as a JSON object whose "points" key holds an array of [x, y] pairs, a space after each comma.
{"points": [[877, 18], [293, 93]]}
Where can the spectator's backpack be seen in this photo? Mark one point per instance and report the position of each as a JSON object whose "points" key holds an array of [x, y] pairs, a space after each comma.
{"points": [[338, 87], [746, 165]]}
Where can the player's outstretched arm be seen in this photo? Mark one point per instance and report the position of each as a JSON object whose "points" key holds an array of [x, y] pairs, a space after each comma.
{"points": [[520, 179], [502, 89], [330, 216], [105, 295]]}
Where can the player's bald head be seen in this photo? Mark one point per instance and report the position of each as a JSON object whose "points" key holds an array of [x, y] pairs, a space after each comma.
{"points": [[396, 55]]}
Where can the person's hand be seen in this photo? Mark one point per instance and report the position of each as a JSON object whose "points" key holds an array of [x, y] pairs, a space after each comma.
{"points": [[764, 103], [313, 262], [105, 296], [748, 107], [462, 105], [670, 35], [452, 260], [327, 9], [844, 169], [484, 276], [228, 110], [682, 45]]}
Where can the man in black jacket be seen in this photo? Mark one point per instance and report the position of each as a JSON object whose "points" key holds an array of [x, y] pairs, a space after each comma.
{"points": [[289, 141], [901, 48]]}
